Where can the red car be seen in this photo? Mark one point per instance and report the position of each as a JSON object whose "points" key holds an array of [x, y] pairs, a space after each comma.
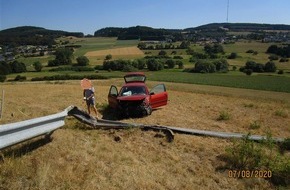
{"points": [[134, 98]]}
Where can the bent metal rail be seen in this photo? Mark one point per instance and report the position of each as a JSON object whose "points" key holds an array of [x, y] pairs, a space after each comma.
{"points": [[11, 134]]}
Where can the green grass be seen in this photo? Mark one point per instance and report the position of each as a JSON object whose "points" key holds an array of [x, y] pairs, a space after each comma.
{"points": [[235, 80], [258, 82], [94, 44]]}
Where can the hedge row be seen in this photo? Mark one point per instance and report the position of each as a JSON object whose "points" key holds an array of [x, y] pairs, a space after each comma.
{"points": [[68, 77], [72, 68]]}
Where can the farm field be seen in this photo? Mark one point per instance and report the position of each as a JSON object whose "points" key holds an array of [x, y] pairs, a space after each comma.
{"points": [[80, 158], [117, 53]]}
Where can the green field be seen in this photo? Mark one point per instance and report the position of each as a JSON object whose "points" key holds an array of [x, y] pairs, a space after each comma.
{"points": [[236, 79], [93, 44]]}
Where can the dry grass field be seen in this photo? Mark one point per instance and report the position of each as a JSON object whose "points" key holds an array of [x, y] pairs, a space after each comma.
{"points": [[80, 158], [132, 52]]}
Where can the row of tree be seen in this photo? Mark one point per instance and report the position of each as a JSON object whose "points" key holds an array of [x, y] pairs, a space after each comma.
{"points": [[210, 66], [252, 66], [13, 67], [140, 64], [159, 46], [30, 35], [63, 56], [137, 32], [283, 51]]}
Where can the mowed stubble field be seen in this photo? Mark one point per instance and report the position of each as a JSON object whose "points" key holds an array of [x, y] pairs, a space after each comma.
{"points": [[79, 158]]}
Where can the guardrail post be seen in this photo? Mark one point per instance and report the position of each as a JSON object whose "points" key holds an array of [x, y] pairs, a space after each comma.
{"points": [[2, 104]]}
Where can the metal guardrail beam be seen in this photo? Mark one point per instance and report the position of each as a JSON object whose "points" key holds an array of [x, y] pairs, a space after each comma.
{"points": [[13, 133], [107, 124]]}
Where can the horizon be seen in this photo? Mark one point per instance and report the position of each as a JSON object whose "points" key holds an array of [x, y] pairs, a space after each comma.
{"points": [[89, 16]]}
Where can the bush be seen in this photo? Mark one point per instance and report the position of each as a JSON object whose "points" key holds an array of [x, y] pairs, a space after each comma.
{"points": [[253, 66], [285, 145], [250, 51], [180, 64], [221, 65], [270, 67], [5, 68], [63, 56], [162, 52], [197, 55], [108, 57], [72, 68], [233, 56], [154, 65], [68, 77], [177, 57], [18, 67], [20, 78], [99, 67], [223, 116], [83, 61], [37, 66], [244, 154], [129, 68], [280, 72], [116, 65], [170, 63], [283, 59], [248, 71], [2, 78], [52, 63], [139, 64], [204, 67], [248, 155], [273, 57], [255, 125]]}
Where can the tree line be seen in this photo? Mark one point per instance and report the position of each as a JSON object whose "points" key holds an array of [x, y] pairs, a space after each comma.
{"points": [[29, 35]]}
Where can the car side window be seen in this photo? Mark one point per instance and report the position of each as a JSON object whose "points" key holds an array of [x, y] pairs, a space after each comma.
{"points": [[113, 91], [158, 89]]}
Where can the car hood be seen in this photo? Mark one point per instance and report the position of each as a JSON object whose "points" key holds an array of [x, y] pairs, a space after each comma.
{"points": [[132, 98]]}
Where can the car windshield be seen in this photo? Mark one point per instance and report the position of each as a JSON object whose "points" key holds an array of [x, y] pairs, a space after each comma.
{"points": [[134, 78], [133, 90]]}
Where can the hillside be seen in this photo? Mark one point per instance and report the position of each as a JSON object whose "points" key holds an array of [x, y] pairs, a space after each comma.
{"points": [[32, 35], [238, 27], [80, 158], [208, 30], [40, 36], [136, 32]]}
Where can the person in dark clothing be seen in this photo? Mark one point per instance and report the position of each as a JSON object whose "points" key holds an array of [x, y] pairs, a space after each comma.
{"points": [[89, 97]]}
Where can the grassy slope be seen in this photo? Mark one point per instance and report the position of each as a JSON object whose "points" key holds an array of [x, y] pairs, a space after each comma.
{"points": [[79, 158]]}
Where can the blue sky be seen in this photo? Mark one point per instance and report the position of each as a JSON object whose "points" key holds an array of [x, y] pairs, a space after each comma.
{"points": [[87, 16]]}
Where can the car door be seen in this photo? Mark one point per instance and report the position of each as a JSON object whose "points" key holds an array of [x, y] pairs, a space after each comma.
{"points": [[158, 96], [112, 97]]}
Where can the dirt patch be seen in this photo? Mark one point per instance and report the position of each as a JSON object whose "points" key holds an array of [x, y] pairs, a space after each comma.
{"points": [[116, 52]]}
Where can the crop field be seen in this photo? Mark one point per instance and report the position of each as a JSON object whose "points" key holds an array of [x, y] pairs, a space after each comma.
{"points": [[236, 80], [94, 44], [124, 52], [81, 158]]}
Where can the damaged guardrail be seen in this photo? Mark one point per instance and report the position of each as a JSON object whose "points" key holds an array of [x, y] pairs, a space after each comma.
{"points": [[169, 130], [13, 133]]}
